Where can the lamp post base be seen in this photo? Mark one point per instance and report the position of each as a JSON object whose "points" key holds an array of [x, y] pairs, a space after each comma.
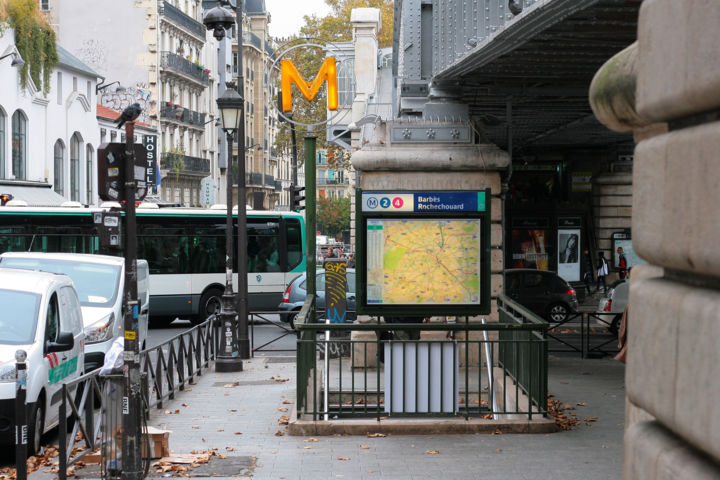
{"points": [[228, 358], [228, 364]]}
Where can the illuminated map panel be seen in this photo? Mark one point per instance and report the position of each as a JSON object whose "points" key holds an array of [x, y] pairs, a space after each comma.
{"points": [[430, 261]]}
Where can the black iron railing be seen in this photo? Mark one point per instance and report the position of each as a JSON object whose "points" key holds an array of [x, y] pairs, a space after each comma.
{"points": [[177, 16], [185, 164], [179, 64], [182, 114]]}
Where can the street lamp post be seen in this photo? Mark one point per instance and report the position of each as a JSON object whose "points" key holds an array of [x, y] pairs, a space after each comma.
{"points": [[232, 119]]}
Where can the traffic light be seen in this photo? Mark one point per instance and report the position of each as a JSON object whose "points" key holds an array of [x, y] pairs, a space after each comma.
{"points": [[4, 198], [296, 198]]}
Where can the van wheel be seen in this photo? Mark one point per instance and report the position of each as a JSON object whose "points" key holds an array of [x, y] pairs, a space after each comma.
{"points": [[558, 312], [210, 304], [36, 422]]}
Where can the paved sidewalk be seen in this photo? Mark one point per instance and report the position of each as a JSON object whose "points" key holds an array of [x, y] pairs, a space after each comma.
{"points": [[241, 420]]}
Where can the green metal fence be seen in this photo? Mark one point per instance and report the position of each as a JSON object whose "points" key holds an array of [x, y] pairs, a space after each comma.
{"points": [[463, 369]]}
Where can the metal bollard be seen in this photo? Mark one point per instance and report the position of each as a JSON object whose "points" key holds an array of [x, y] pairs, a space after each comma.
{"points": [[21, 427]]}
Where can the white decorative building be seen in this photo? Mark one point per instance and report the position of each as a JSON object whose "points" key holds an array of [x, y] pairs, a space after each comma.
{"points": [[48, 142]]}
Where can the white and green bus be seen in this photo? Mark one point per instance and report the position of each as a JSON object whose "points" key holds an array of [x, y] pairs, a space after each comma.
{"points": [[184, 247]]}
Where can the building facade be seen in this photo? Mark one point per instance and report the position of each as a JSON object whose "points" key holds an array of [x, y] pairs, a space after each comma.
{"points": [[48, 142]]}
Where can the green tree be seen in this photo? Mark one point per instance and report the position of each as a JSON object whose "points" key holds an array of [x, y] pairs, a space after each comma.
{"points": [[333, 215], [336, 27]]}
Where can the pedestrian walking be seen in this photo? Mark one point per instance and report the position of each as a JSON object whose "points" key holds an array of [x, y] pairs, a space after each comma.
{"points": [[588, 268], [622, 263], [602, 272], [351, 261]]}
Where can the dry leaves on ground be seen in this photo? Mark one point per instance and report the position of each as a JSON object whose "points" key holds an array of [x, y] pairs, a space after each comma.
{"points": [[582, 404], [375, 435], [432, 452], [287, 402], [231, 385], [279, 433], [311, 439], [280, 380], [364, 447], [557, 410], [282, 409], [343, 458], [284, 420]]}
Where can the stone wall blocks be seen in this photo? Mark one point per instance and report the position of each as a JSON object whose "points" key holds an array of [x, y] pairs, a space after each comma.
{"points": [[683, 34], [653, 452], [673, 357], [675, 220]]}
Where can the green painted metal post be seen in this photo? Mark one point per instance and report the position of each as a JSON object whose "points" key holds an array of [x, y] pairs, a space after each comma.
{"points": [[310, 212]]}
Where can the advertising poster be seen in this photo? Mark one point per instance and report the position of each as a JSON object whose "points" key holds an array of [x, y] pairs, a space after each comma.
{"points": [[530, 249], [626, 243], [569, 254]]}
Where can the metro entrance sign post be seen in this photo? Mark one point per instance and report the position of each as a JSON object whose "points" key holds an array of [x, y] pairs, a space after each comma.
{"points": [[423, 253]]}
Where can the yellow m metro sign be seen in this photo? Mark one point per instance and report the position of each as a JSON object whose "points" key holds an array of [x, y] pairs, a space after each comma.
{"points": [[289, 75]]}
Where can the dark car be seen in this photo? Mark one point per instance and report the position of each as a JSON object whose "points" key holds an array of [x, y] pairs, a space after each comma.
{"points": [[541, 292], [294, 296]]}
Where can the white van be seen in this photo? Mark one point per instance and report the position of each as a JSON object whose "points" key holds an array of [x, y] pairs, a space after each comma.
{"points": [[41, 315], [100, 281]]}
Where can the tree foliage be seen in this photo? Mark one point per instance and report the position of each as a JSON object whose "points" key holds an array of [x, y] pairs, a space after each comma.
{"points": [[34, 39], [336, 27], [333, 215]]}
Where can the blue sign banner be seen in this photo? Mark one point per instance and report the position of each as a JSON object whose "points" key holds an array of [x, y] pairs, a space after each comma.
{"points": [[424, 202]]}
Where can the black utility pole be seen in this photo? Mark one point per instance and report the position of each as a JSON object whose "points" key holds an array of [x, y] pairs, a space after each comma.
{"points": [[132, 399], [243, 339]]}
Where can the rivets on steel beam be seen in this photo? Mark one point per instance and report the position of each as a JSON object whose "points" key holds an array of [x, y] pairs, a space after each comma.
{"points": [[407, 134], [430, 133]]}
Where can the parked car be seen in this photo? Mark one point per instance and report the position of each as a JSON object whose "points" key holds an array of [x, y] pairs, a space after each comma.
{"points": [[615, 302], [100, 281], [294, 296], [543, 293], [41, 314]]}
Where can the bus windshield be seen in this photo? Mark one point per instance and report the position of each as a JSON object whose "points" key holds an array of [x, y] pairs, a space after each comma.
{"points": [[19, 318], [97, 285]]}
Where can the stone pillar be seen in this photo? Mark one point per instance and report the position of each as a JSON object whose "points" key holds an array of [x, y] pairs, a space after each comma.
{"points": [[673, 355]]}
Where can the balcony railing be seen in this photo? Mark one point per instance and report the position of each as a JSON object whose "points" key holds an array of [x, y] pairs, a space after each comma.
{"points": [[177, 16], [181, 114], [254, 179], [179, 64], [334, 181], [185, 164], [269, 181], [278, 185]]}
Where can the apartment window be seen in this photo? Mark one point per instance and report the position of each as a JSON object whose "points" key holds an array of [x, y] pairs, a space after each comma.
{"points": [[346, 82], [75, 83], [75, 168], [44, 5], [3, 136], [19, 144], [89, 158], [59, 88], [59, 171]]}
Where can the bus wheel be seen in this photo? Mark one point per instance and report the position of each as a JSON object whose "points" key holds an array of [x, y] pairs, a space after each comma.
{"points": [[210, 304]]}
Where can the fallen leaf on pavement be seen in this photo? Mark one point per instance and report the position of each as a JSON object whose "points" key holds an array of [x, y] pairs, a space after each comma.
{"points": [[177, 411], [432, 452], [582, 404], [237, 433], [279, 433], [375, 435], [497, 432], [311, 439], [184, 404], [167, 412], [284, 420], [307, 447], [287, 402], [282, 409], [221, 429], [590, 419], [196, 427], [343, 458], [364, 446], [499, 450]]}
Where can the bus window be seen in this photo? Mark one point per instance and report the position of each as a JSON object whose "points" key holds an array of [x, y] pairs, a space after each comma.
{"points": [[13, 240], [263, 247], [294, 243], [166, 249], [208, 250]]}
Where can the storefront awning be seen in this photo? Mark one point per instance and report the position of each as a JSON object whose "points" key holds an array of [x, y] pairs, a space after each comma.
{"points": [[36, 195]]}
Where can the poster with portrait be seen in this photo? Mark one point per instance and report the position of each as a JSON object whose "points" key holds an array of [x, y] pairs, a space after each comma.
{"points": [[530, 249], [624, 240], [569, 252]]}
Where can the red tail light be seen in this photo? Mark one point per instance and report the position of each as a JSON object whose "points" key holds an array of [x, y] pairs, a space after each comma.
{"points": [[608, 306], [286, 295], [570, 291]]}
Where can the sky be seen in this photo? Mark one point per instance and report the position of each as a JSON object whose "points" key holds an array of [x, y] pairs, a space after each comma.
{"points": [[286, 16]]}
